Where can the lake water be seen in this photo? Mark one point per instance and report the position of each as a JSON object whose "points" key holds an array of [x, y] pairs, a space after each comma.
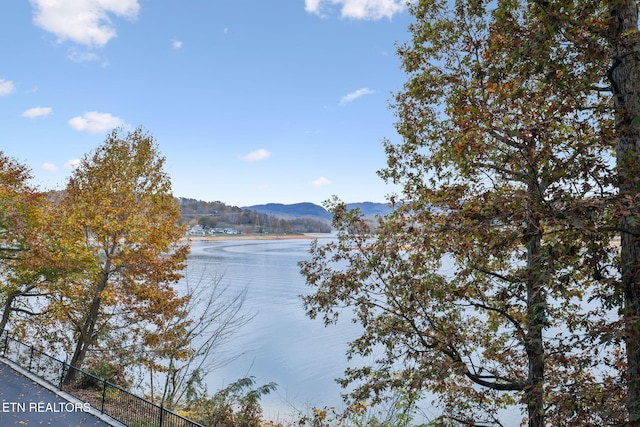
{"points": [[280, 344]]}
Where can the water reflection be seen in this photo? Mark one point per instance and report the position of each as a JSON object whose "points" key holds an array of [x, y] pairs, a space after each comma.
{"points": [[280, 344]]}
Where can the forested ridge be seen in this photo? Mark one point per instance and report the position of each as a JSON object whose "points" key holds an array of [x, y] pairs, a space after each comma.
{"points": [[218, 215]]}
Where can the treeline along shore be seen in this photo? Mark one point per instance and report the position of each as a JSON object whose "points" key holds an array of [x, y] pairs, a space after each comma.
{"points": [[216, 219]]}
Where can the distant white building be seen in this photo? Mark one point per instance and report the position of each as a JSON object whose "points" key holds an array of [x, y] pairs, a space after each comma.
{"points": [[196, 230]]}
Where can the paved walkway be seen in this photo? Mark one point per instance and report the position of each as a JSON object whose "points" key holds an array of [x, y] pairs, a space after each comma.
{"points": [[25, 402]]}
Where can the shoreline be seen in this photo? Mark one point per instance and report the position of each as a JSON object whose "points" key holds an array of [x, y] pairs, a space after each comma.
{"points": [[251, 237]]}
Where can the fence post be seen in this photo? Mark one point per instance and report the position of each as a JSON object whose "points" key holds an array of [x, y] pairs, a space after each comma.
{"points": [[104, 394], [30, 358], [63, 372], [35, 361], [6, 343], [161, 413]]}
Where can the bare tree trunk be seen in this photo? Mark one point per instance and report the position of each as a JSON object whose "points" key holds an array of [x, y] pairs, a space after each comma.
{"points": [[11, 299], [536, 308], [8, 308], [87, 331], [624, 76], [536, 314]]}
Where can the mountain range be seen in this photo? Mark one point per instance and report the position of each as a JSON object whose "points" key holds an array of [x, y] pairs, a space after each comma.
{"points": [[311, 210]]}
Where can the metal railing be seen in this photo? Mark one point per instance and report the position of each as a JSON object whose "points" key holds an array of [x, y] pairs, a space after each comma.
{"points": [[106, 397]]}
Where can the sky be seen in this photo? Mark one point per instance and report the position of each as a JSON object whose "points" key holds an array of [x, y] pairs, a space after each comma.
{"points": [[250, 101]]}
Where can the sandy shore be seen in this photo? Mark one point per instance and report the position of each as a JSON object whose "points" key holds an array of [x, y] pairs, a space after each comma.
{"points": [[251, 237]]}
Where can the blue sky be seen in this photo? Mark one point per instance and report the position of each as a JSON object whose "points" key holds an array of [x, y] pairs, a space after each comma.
{"points": [[250, 101]]}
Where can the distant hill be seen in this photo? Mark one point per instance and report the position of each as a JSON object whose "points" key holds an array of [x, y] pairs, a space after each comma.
{"points": [[210, 217], [296, 210], [370, 208], [268, 218], [310, 210]]}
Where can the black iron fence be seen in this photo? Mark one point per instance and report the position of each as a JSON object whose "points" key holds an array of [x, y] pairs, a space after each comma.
{"points": [[108, 398]]}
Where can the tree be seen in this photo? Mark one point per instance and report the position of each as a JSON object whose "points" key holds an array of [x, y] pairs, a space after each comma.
{"points": [[609, 30], [22, 265], [186, 348], [478, 287], [237, 405], [13, 188], [119, 221], [208, 221], [624, 78]]}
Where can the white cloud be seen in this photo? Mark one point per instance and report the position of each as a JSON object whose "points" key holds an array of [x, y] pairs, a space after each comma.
{"points": [[85, 22], [355, 95], [6, 87], [358, 9], [254, 156], [49, 167], [320, 182], [94, 122], [72, 164], [312, 6], [37, 112], [79, 56], [176, 44]]}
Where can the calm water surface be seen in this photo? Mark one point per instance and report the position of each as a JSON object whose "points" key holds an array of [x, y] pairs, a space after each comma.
{"points": [[280, 343]]}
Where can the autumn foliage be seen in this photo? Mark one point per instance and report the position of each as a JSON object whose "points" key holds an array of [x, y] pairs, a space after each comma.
{"points": [[498, 281], [22, 266], [110, 250]]}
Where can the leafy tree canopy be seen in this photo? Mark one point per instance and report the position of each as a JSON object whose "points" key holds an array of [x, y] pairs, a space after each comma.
{"points": [[494, 282], [119, 222]]}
